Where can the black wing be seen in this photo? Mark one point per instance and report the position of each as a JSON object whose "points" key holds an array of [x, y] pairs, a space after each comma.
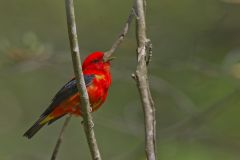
{"points": [[69, 89], [66, 91]]}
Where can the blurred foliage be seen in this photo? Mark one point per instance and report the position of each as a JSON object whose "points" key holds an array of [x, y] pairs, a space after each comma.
{"points": [[195, 74]]}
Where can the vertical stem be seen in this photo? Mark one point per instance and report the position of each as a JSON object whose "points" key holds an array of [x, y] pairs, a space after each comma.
{"points": [[84, 99], [141, 77], [60, 138]]}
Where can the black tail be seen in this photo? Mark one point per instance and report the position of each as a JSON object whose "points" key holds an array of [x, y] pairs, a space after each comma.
{"points": [[34, 129]]}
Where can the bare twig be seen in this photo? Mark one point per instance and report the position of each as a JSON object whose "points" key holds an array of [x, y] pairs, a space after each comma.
{"points": [[141, 77], [60, 138], [84, 99], [121, 35]]}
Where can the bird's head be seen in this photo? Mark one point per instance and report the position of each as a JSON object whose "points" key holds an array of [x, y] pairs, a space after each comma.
{"points": [[96, 61]]}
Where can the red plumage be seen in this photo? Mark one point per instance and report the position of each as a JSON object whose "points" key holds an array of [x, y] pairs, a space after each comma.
{"points": [[97, 77]]}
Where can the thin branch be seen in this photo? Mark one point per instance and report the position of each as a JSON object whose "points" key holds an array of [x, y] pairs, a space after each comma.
{"points": [[60, 138], [141, 77], [122, 35], [84, 99]]}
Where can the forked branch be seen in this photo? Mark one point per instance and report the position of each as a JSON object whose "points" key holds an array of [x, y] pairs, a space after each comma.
{"points": [[144, 53]]}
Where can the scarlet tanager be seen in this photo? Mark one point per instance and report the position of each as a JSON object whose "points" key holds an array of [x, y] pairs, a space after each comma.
{"points": [[97, 78]]}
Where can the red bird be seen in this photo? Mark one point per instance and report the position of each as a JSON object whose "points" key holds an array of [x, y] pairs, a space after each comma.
{"points": [[97, 77]]}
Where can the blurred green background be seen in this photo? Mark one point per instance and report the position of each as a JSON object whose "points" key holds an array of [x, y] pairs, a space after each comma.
{"points": [[195, 73]]}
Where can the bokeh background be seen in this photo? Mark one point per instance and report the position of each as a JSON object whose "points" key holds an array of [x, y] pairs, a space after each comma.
{"points": [[195, 77]]}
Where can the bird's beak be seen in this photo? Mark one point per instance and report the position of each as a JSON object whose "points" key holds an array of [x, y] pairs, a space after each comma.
{"points": [[108, 59], [111, 58]]}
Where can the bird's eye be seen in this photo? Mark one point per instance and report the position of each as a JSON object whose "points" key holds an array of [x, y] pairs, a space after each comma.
{"points": [[95, 61]]}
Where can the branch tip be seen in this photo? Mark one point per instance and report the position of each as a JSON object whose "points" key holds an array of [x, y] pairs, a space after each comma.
{"points": [[134, 76]]}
